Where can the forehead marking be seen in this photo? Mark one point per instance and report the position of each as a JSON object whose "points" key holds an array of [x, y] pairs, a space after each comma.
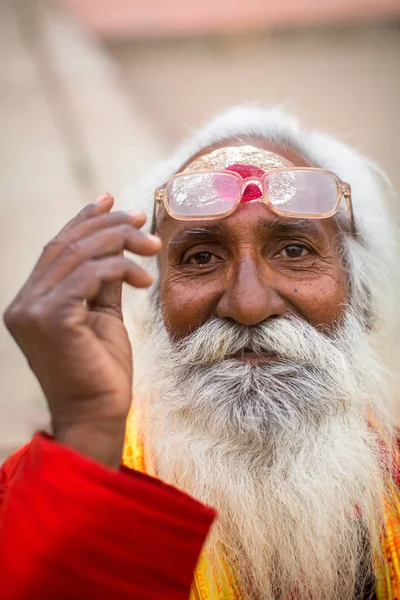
{"points": [[251, 155]]}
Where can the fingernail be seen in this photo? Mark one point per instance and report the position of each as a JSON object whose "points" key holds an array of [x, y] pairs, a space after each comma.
{"points": [[135, 213], [102, 198], [153, 238]]}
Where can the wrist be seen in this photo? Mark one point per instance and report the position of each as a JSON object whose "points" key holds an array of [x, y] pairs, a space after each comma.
{"points": [[101, 441]]}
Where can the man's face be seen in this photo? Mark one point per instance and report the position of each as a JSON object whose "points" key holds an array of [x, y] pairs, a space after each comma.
{"points": [[252, 265]]}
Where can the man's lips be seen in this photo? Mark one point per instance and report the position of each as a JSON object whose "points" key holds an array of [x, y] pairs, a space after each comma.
{"points": [[248, 355]]}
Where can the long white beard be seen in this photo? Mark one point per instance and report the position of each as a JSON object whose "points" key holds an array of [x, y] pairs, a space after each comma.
{"points": [[282, 450]]}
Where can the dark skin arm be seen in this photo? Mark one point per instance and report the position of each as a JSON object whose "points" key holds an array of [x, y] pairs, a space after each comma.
{"points": [[67, 320]]}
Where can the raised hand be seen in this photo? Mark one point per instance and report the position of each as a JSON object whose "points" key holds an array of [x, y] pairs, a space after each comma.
{"points": [[67, 321]]}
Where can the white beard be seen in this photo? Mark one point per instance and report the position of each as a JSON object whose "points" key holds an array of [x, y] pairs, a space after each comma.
{"points": [[282, 450]]}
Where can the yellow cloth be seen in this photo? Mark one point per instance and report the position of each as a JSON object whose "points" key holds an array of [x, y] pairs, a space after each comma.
{"points": [[214, 577]]}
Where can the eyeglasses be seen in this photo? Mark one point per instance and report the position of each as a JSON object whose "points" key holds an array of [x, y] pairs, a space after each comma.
{"points": [[290, 192]]}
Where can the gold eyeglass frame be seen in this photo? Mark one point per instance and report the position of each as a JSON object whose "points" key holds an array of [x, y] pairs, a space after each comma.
{"points": [[343, 190]]}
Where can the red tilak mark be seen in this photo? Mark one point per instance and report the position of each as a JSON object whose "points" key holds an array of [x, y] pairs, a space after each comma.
{"points": [[252, 191]]}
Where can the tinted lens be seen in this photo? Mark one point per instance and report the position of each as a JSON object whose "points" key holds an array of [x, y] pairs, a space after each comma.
{"points": [[203, 194], [302, 192]]}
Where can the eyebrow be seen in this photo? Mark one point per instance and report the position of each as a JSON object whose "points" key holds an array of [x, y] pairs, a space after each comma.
{"points": [[275, 227], [280, 226], [198, 234]]}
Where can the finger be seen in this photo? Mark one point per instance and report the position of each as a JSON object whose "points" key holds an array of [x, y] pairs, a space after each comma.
{"points": [[99, 245], [72, 235], [86, 281], [109, 299], [137, 219], [101, 205]]}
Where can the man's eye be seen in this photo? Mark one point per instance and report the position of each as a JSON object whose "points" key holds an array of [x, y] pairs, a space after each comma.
{"points": [[294, 251], [201, 258]]}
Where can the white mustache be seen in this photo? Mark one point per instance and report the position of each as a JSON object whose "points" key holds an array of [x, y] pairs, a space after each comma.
{"points": [[288, 338]]}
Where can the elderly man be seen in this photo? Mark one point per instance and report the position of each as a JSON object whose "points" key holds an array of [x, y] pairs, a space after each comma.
{"points": [[265, 383]]}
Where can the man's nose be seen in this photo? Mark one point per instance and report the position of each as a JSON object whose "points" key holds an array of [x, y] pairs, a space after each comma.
{"points": [[250, 296]]}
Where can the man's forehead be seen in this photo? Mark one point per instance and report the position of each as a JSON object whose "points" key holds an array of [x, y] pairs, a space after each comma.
{"points": [[248, 150], [221, 158]]}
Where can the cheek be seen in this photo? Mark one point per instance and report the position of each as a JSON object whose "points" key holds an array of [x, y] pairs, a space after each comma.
{"points": [[322, 301], [186, 305]]}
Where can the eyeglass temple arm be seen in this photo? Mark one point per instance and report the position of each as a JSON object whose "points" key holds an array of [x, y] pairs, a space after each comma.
{"points": [[346, 192], [158, 194]]}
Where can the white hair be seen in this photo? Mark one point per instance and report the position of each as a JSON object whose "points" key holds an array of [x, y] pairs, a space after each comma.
{"points": [[284, 451], [372, 255]]}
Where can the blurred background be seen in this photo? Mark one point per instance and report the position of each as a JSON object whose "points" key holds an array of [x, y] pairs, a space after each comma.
{"points": [[92, 93]]}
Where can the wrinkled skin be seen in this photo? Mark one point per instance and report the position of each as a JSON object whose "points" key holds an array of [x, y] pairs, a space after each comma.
{"points": [[250, 270]]}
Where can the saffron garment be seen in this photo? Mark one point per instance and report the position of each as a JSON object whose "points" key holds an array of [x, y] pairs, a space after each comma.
{"points": [[72, 528]]}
